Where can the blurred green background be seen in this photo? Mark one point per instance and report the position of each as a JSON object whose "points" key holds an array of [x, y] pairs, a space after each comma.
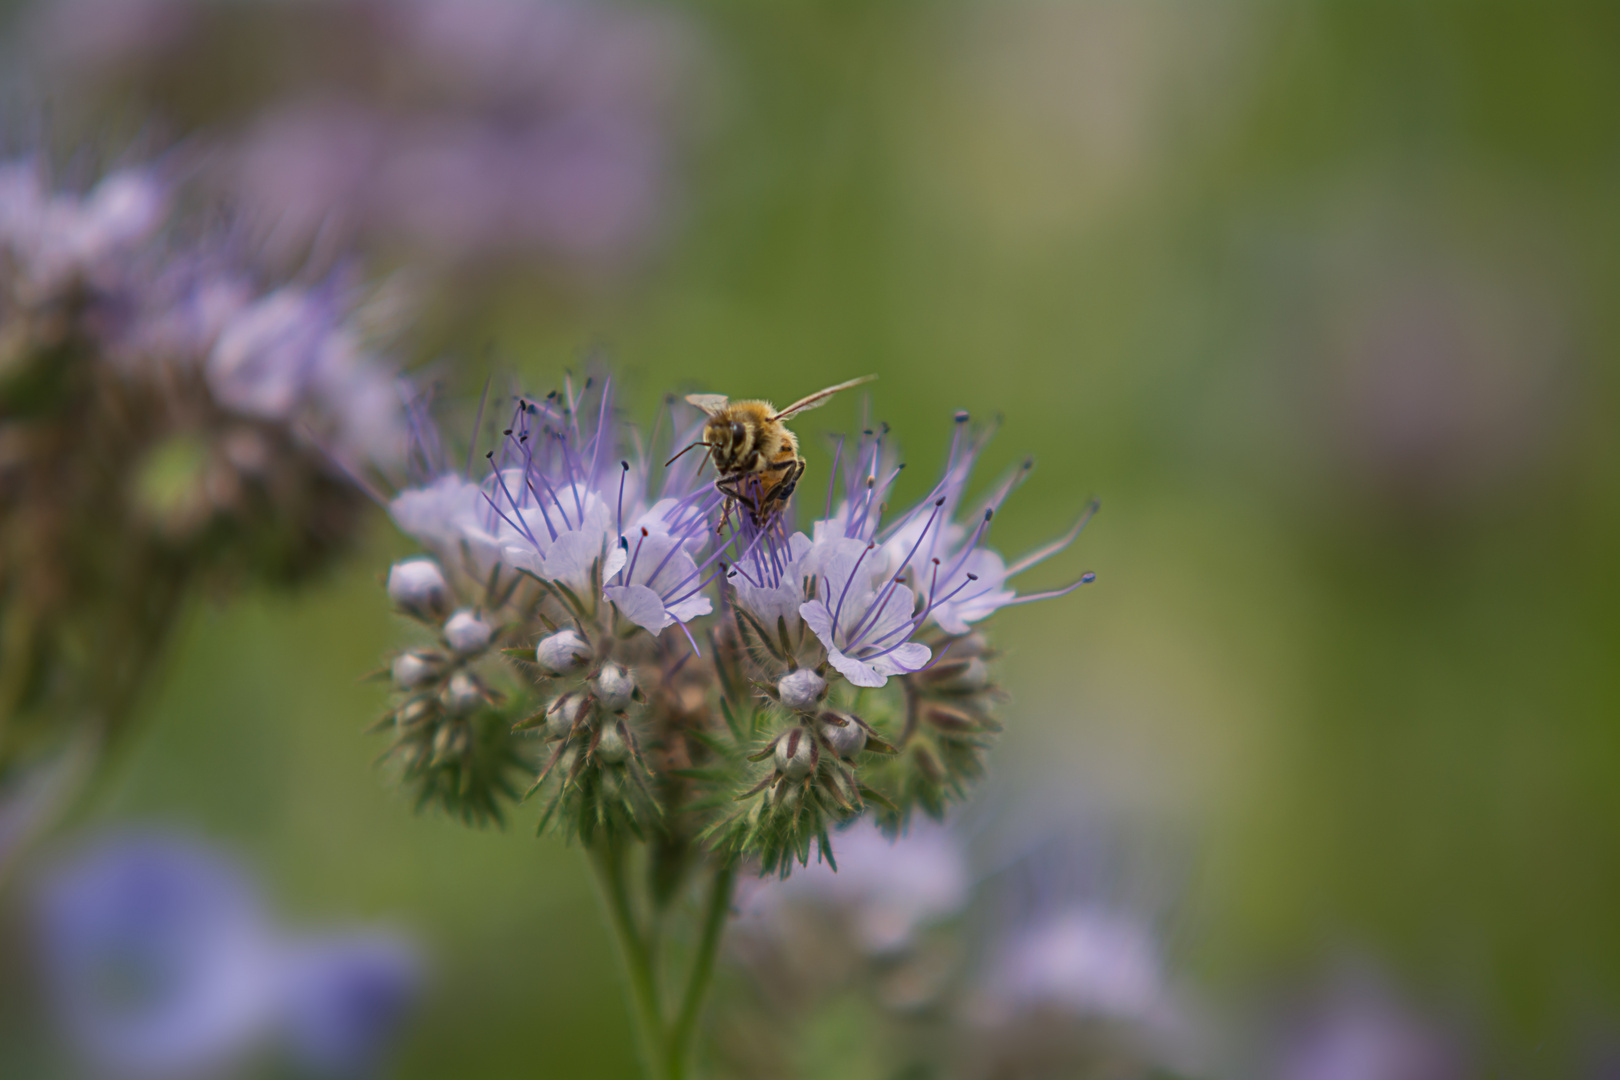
{"points": [[1318, 297]]}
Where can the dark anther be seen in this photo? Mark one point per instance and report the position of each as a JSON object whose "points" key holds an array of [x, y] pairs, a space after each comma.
{"points": [[644, 531], [962, 417], [490, 455], [940, 501], [508, 431], [973, 577], [989, 512], [625, 465]]}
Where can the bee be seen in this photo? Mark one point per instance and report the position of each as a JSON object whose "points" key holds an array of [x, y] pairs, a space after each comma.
{"points": [[753, 451]]}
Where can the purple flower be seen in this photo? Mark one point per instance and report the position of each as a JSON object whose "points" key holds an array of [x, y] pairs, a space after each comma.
{"points": [[163, 310], [660, 583], [157, 956], [345, 1000], [1087, 961], [56, 238], [568, 500], [161, 961], [965, 580], [888, 888], [863, 616], [1358, 1031], [295, 351], [865, 588]]}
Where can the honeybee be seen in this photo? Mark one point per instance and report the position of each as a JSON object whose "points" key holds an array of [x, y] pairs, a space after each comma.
{"points": [[755, 454]]}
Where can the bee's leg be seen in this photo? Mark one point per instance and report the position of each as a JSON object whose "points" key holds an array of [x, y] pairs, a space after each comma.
{"points": [[790, 482], [728, 487]]}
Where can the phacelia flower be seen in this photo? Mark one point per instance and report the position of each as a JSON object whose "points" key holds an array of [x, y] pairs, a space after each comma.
{"points": [[345, 999], [158, 956], [865, 588], [585, 551], [890, 888], [161, 960]]}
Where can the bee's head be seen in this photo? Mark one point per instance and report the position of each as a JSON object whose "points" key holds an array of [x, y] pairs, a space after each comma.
{"points": [[728, 440]]}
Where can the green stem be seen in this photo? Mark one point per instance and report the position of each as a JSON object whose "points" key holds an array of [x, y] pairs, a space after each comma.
{"points": [[608, 862], [697, 986]]}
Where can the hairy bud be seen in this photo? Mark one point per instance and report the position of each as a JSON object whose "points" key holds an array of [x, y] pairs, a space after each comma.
{"points": [[801, 690], [467, 633], [614, 687], [417, 584], [844, 734], [562, 652], [412, 669], [796, 754], [461, 694], [562, 713], [612, 748]]}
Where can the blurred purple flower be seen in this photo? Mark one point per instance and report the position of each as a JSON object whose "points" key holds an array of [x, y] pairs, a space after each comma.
{"points": [[889, 888], [160, 960], [542, 126], [1357, 1031], [1086, 961], [157, 956], [345, 1000]]}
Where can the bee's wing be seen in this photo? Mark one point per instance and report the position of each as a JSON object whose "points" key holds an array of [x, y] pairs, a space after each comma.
{"points": [[709, 403], [818, 398]]}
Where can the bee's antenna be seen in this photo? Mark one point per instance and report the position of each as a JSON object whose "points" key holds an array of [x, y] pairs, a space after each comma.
{"points": [[677, 457]]}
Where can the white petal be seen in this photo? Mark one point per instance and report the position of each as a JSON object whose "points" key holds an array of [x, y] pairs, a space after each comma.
{"points": [[691, 608], [909, 657], [640, 605], [569, 559], [819, 619], [856, 672]]}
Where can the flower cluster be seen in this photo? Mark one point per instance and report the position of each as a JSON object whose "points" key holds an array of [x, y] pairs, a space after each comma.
{"points": [[166, 420], [159, 960], [687, 673]]}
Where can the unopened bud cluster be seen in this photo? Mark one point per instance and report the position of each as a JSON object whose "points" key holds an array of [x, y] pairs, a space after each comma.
{"points": [[676, 673]]}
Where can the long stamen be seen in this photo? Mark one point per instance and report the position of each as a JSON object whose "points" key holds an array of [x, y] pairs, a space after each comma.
{"points": [[1085, 579], [972, 545], [699, 587], [630, 571], [899, 575], [619, 517], [601, 426], [832, 478], [524, 527], [853, 571], [1041, 554], [575, 472]]}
